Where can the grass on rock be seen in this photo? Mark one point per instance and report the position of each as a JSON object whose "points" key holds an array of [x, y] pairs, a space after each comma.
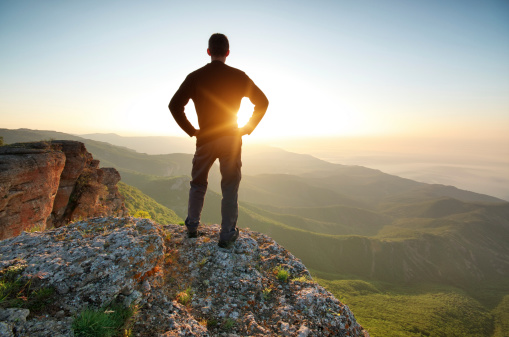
{"points": [[282, 274], [110, 321], [19, 292]]}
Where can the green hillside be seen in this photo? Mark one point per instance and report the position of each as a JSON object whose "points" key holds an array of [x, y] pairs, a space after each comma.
{"points": [[290, 191], [333, 220], [379, 189], [412, 311], [264, 159], [136, 201], [439, 208]]}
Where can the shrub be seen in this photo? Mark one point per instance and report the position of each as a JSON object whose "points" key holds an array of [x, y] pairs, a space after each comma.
{"points": [[266, 293], [212, 323], [37, 228], [282, 274], [228, 324], [184, 297], [142, 214], [303, 279]]}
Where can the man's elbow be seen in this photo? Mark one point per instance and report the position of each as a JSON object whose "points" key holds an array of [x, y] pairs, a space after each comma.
{"points": [[174, 107], [262, 103], [265, 105]]}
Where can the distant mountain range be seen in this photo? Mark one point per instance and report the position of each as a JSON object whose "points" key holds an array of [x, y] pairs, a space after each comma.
{"points": [[343, 220], [149, 145]]}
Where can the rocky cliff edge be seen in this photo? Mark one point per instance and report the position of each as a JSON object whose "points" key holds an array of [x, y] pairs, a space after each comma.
{"points": [[136, 262]]}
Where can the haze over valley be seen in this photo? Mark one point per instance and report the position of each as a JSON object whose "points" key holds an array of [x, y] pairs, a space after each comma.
{"points": [[478, 164]]}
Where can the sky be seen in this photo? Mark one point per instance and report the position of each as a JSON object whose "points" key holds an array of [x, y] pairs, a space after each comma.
{"points": [[329, 68]]}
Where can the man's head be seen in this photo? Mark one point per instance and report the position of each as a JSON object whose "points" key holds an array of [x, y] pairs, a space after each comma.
{"points": [[218, 46]]}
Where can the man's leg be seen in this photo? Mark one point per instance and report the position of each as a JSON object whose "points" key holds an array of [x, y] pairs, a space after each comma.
{"points": [[230, 165], [202, 161]]}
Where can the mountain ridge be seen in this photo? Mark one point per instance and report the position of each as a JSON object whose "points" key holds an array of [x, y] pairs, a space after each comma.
{"points": [[181, 165]]}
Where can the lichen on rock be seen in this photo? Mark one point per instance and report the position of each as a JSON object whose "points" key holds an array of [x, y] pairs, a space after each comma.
{"points": [[235, 292]]}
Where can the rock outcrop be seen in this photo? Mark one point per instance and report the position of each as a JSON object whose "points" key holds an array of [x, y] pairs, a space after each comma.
{"points": [[29, 180], [85, 190], [49, 184], [230, 292]]}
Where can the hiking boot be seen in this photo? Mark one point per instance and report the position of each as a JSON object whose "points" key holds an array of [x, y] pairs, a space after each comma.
{"points": [[193, 234], [229, 243]]}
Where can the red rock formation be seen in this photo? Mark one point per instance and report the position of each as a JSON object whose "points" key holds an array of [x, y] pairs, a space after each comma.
{"points": [[29, 178], [36, 189], [77, 158], [85, 190]]}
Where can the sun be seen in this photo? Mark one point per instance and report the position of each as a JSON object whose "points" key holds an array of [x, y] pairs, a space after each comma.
{"points": [[267, 128]]}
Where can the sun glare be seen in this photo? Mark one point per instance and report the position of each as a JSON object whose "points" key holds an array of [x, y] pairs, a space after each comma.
{"points": [[245, 112]]}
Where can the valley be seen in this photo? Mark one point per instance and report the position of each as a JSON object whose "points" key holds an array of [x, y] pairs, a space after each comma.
{"points": [[409, 258]]}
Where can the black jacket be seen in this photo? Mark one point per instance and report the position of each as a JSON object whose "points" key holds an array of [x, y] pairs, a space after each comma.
{"points": [[217, 90]]}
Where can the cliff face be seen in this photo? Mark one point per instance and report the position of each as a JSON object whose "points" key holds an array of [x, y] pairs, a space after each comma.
{"points": [[138, 262], [29, 180], [85, 190], [49, 184]]}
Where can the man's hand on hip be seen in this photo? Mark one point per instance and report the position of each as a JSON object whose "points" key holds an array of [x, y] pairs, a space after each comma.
{"points": [[242, 131]]}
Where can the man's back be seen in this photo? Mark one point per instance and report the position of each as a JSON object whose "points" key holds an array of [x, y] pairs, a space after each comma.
{"points": [[217, 91]]}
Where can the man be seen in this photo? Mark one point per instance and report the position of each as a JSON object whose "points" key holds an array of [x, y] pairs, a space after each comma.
{"points": [[217, 90]]}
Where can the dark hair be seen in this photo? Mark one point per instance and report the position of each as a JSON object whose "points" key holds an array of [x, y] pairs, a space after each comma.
{"points": [[218, 44]]}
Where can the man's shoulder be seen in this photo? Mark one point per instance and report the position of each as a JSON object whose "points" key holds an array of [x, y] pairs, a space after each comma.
{"points": [[232, 69], [198, 71], [216, 66]]}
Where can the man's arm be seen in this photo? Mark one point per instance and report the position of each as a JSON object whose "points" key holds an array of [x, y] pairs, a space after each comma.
{"points": [[177, 107], [260, 101]]}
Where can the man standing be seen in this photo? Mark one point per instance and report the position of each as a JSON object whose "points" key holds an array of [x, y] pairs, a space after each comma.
{"points": [[217, 90]]}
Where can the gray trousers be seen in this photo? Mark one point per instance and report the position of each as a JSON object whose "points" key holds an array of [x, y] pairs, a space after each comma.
{"points": [[228, 150]]}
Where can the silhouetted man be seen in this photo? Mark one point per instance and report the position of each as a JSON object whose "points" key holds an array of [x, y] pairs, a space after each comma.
{"points": [[217, 90]]}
